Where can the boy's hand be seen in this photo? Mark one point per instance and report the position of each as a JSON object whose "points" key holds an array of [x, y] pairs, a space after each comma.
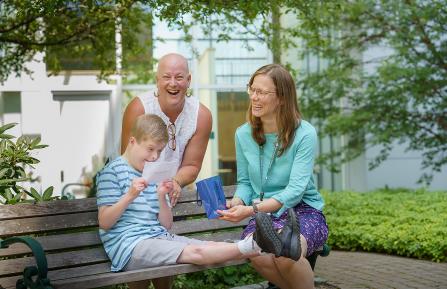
{"points": [[138, 185], [165, 187]]}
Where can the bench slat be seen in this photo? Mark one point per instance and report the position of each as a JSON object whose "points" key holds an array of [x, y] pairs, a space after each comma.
{"points": [[136, 275], [10, 282], [62, 222], [85, 256], [18, 211], [9, 212], [203, 225], [189, 195], [56, 242], [44, 224], [81, 277], [85, 239], [55, 261]]}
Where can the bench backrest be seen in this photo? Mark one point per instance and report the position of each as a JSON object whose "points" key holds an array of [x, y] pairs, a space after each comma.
{"points": [[68, 232]]}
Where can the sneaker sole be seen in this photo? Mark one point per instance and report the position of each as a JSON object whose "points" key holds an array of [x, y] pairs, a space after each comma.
{"points": [[265, 227]]}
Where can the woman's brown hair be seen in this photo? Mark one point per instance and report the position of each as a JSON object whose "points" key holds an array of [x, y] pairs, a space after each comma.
{"points": [[288, 114]]}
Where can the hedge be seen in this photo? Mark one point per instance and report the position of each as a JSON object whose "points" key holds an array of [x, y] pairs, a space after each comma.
{"points": [[399, 222]]}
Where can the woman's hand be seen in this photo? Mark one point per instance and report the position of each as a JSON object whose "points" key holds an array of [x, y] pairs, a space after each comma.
{"points": [[236, 214], [234, 202]]}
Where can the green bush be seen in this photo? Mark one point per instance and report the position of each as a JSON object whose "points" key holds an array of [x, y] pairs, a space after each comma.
{"points": [[219, 278], [401, 222], [15, 157]]}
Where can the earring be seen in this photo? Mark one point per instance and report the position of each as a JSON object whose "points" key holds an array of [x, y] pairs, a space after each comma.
{"points": [[189, 92], [156, 93]]}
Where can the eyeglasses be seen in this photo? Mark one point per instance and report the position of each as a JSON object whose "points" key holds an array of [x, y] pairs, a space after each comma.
{"points": [[171, 131], [259, 92]]}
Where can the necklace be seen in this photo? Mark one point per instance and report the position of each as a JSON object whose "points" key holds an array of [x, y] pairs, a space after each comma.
{"points": [[261, 166]]}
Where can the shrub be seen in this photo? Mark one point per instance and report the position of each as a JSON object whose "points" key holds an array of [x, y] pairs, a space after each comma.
{"points": [[402, 222], [15, 157], [219, 278]]}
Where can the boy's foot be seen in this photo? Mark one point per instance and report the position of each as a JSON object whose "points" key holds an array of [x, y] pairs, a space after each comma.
{"points": [[286, 244], [248, 246]]}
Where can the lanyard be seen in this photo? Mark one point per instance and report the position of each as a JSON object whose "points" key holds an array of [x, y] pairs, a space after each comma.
{"points": [[261, 166]]}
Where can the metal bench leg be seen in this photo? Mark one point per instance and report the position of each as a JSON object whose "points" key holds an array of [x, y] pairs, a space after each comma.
{"points": [[40, 272]]}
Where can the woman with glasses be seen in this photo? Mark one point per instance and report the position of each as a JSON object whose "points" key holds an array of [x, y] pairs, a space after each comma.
{"points": [[275, 157], [189, 126]]}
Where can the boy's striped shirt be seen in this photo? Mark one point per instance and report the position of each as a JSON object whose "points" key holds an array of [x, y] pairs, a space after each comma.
{"points": [[138, 222]]}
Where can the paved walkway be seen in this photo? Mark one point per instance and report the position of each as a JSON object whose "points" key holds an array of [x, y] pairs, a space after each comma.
{"points": [[355, 270], [349, 270]]}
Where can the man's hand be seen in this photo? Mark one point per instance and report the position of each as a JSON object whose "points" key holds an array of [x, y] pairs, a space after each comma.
{"points": [[138, 185], [236, 213]]}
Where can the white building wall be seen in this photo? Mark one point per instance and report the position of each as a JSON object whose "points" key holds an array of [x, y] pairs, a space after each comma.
{"points": [[76, 130]]}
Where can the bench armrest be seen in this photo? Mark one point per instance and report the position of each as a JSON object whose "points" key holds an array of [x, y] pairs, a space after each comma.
{"points": [[41, 281]]}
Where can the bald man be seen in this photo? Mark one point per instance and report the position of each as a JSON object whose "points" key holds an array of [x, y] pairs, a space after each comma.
{"points": [[189, 125]]}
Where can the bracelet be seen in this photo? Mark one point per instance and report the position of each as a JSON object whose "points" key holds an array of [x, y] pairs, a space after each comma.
{"points": [[255, 209], [178, 183]]}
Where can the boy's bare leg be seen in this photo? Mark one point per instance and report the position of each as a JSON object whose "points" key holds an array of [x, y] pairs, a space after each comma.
{"points": [[212, 253]]}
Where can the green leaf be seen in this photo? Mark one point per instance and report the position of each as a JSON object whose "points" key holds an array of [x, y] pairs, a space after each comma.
{"points": [[10, 181], [35, 141], [3, 172], [7, 126], [6, 136], [18, 197], [47, 194], [8, 194], [35, 195]]}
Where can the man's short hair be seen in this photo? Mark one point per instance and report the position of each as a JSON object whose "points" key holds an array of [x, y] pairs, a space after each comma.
{"points": [[150, 126]]}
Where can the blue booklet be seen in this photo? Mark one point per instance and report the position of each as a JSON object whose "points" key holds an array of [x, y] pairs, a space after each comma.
{"points": [[212, 195]]}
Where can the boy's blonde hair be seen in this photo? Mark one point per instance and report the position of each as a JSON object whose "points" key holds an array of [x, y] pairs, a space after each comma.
{"points": [[150, 126]]}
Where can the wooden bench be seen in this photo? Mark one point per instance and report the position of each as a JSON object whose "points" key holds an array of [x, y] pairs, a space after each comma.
{"points": [[65, 250]]}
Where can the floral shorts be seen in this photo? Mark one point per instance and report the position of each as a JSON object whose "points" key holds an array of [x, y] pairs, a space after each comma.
{"points": [[312, 226]]}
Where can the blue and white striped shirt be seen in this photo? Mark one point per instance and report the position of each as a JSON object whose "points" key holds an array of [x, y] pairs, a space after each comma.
{"points": [[138, 222]]}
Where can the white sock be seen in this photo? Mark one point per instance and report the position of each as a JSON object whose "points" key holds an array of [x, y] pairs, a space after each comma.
{"points": [[248, 246]]}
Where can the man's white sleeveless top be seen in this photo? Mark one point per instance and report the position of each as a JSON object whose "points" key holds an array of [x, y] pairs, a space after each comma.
{"points": [[185, 125]]}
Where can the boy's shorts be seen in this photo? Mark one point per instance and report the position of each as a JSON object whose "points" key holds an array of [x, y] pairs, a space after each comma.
{"points": [[164, 249]]}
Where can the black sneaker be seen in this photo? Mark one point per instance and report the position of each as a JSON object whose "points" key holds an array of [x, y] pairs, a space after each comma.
{"points": [[265, 235], [290, 237], [286, 244]]}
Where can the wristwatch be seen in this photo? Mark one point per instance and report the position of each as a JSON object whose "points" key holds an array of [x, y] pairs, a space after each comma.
{"points": [[255, 208]]}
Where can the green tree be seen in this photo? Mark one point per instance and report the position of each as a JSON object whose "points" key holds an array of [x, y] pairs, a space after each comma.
{"points": [[83, 30], [402, 100]]}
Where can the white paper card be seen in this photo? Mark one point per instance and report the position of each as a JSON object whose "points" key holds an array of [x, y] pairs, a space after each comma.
{"points": [[156, 172]]}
